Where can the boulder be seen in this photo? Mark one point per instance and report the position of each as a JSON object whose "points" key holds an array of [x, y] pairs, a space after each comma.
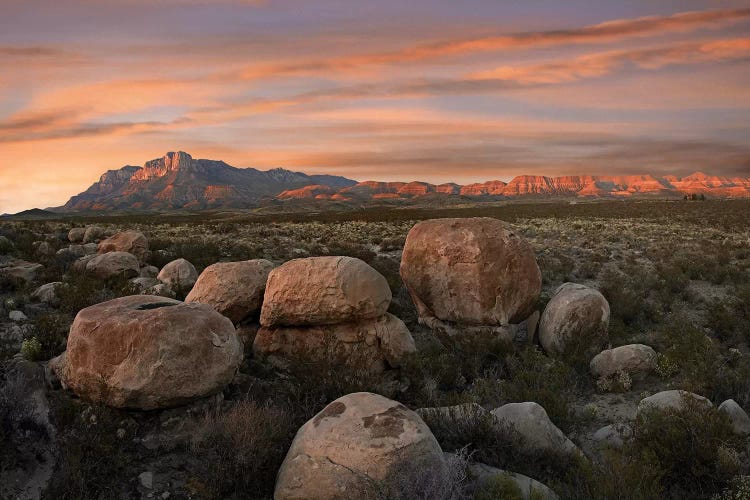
{"points": [[534, 428], [76, 234], [160, 290], [17, 316], [93, 234], [141, 284], [149, 272], [671, 400], [474, 271], [47, 293], [179, 274], [613, 435], [22, 270], [90, 248], [353, 447], [737, 416], [323, 291], [483, 476], [637, 360], [144, 352], [126, 241], [80, 264], [235, 289], [45, 249], [71, 252], [576, 319], [371, 345], [112, 264]]}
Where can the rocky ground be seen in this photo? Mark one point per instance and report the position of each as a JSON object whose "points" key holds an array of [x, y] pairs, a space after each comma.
{"points": [[674, 277]]}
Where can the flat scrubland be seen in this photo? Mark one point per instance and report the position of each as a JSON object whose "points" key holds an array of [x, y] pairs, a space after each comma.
{"points": [[676, 275]]}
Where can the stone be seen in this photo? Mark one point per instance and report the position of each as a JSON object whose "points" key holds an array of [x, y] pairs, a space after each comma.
{"points": [[80, 264], [48, 293], [637, 360], [45, 249], [22, 270], [133, 242], [356, 444], [671, 400], [76, 234], [612, 435], [93, 234], [323, 291], [575, 319], [472, 271], [71, 252], [17, 316], [179, 274], [737, 416], [146, 479], [143, 352], [90, 248], [536, 431], [142, 284], [235, 289], [149, 272], [112, 264], [371, 345], [160, 290], [531, 489]]}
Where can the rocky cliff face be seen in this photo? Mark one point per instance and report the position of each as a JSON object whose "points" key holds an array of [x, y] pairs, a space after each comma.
{"points": [[177, 180]]}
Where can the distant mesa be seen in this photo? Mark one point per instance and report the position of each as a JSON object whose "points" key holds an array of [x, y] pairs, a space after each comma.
{"points": [[178, 181]]}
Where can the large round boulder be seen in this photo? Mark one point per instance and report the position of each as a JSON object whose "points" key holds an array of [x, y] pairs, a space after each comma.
{"points": [[324, 291], [179, 274], [371, 345], [474, 271], [146, 352], [533, 426], [576, 320], [76, 234], [126, 241], [93, 234], [113, 264], [637, 360], [235, 289], [354, 448], [672, 400]]}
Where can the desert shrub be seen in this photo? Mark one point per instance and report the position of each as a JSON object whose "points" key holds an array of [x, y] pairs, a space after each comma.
{"points": [[694, 446], [18, 423], [50, 334], [243, 449], [82, 290], [413, 481], [31, 349], [361, 252], [500, 486], [739, 489]]}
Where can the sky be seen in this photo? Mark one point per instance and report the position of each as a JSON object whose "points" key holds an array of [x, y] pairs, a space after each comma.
{"points": [[433, 90]]}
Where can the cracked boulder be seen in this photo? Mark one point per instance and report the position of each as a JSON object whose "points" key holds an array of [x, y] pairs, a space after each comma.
{"points": [[143, 352], [476, 273], [355, 448]]}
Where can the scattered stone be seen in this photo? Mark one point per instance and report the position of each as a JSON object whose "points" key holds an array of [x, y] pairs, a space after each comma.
{"points": [[356, 444], [323, 291], [149, 272], [146, 479], [126, 241], [93, 234], [76, 234], [671, 400], [17, 316], [112, 264], [482, 476], [536, 430], [740, 420], [90, 248], [143, 284], [179, 274], [146, 352], [637, 360], [160, 290], [613, 435], [234, 289], [371, 345], [48, 293], [576, 318], [473, 271]]}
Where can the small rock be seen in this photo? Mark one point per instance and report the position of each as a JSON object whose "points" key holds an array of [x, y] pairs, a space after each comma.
{"points": [[17, 316], [146, 479], [613, 435], [48, 293], [149, 272]]}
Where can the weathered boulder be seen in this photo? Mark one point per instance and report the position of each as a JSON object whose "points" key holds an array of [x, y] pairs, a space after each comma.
{"points": [[637, 360], [534, 428], [370, 345], [48, 293], [323, 291], [147, 352], [179, 274], [612, 435], [737, 416], [71, 252], [141, 284], [17, 316], [22, 270], [133, 242], [79, 265], [149, 272], [483, 476], [76, 234], [93, 234], [45, 249], [474, 271], [353, 447], [112, 264], [90, 248], [160, 290], [671, 400], [235, 289], [576, 319]]}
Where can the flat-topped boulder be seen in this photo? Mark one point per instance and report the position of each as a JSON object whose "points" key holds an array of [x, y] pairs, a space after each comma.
{"points": [[235, 289], [113, 264], [133, 242], [144, 352], [473, 271], [354, 447], [637, 360], [324, 291]]}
